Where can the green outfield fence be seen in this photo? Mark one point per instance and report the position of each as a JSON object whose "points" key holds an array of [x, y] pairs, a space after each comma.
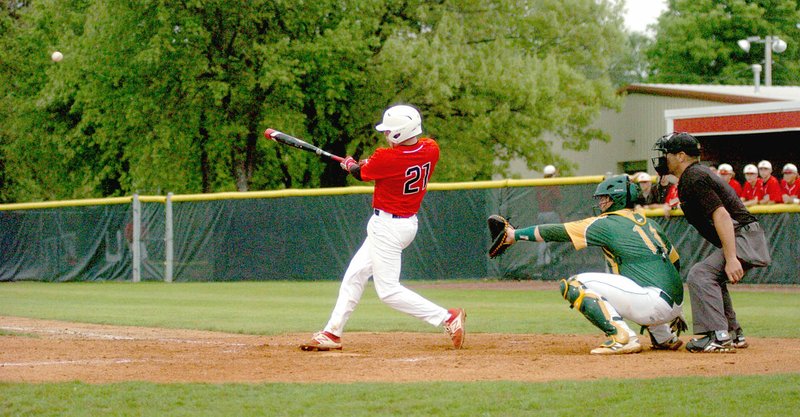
{"points": [[312, 234]]}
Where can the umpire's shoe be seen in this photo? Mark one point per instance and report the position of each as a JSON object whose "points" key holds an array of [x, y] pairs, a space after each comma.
{"points": [[713, 342], [323, 341]]}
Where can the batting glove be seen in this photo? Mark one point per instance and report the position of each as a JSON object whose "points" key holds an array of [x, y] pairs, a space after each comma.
{"points": [[348, 163]]}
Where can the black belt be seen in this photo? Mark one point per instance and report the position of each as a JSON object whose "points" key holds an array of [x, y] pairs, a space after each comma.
{"points": [[394, 216], [666, 298]]}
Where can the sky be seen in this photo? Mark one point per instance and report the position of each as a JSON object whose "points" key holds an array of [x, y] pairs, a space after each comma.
{"points": [[641, 13]]}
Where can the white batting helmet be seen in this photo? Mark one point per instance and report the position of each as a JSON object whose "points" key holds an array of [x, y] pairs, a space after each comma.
{"points": [[402, 122]]}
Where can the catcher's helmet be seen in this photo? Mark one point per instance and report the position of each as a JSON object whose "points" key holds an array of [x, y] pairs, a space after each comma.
{"points": [[402, 122], [621, 191]]}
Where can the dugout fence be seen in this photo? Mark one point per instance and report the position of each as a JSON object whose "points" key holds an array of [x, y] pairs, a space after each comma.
{"points": [[312, 234]]}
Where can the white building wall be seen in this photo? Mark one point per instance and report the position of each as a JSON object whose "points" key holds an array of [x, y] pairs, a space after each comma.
{"points": [[633, 131]]}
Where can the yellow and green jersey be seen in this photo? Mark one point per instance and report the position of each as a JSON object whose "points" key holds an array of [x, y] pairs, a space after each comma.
{"points": [[632, 246]]}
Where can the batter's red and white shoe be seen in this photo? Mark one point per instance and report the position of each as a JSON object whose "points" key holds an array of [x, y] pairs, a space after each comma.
{"points": [[323, 341], [454, 326]]}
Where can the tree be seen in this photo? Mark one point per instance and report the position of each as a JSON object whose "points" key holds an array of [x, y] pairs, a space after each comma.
{"points": [[632, 66], [159, 96], [491, 91], [696, 41]]}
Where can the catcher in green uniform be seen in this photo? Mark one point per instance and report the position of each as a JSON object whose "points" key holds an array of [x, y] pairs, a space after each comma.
{"points": [[643, 284]]}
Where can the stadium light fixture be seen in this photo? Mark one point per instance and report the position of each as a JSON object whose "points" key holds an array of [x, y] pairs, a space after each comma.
{"points": [[771, 44]]}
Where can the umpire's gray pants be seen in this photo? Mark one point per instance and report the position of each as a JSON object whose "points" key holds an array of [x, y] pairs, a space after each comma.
{"points": [[712, 308]]}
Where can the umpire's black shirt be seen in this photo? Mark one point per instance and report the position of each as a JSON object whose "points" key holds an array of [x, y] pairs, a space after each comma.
{"points": [[701, 192]]}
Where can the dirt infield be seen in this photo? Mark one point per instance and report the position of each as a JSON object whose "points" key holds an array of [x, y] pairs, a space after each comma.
{"points": [[48, 351]]}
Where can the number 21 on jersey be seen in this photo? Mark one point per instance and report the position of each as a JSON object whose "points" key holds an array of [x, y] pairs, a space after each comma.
{"points": [[417, 177]]}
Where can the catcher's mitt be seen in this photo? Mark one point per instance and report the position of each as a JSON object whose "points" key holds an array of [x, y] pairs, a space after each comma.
{"points": [[497, 228]]}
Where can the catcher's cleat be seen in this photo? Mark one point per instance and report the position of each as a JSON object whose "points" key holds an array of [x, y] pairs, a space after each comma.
{"points": [[712, 342], [612, 347], [323, 341], [672, 344], [454, 326], [739, 341]]}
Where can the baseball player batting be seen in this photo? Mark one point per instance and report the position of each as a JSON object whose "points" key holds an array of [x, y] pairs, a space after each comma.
{"points": [[401, 173], [644, 285]]}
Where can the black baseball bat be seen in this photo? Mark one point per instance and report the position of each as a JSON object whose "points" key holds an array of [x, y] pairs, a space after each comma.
{"points": [[285, 139]]}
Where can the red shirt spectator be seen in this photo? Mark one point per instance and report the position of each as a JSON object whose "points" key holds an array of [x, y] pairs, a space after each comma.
{"points": [[672, 199], [726, 172], [772, 188], [789, 184], [753, 188]]}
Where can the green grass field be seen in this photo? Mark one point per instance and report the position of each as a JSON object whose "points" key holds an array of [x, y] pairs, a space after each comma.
{"points": [[280, 307]]}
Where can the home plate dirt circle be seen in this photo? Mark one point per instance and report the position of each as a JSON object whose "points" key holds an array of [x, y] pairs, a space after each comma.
{"points": [[52, 351]]}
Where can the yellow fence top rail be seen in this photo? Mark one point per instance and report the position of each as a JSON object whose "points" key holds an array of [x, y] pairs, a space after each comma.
{"points": [[450, 186], [66, 203]]}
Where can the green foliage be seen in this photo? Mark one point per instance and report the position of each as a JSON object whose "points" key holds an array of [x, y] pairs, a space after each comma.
{"points": [[696, 41], [157, 96], [632, 66]]}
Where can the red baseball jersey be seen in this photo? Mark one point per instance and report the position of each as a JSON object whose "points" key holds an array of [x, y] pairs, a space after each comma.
{"points": [[672, 197], [793, 190], [750, 192], [736, 186], [773, 189], [401, 176]]}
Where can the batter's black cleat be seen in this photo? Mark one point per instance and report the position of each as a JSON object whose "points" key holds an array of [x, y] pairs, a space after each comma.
{"points": [[712, 342]]}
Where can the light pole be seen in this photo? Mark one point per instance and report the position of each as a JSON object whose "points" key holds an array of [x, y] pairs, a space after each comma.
{"points": [[756, 75], [771, 44]]}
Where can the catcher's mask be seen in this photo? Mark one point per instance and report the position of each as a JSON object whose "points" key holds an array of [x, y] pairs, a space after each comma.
{"points": [[619, 188], [673, 143]]}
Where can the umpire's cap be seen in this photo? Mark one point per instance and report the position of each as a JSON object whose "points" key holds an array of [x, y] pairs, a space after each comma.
{"points": [[678, 142]]}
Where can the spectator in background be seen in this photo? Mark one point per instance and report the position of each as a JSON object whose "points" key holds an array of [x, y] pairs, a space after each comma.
{"points": [[664, 194], [791, 191], [772, 188], [726, 172], [753, 188], [666, 191], [646, 194]]}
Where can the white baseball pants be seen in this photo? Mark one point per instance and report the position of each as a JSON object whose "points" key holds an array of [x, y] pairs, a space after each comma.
{"points": [[642, 305], [380, 257]]}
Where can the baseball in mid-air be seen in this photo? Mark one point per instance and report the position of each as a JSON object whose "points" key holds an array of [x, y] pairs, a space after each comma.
{"points": [[57, 56]]}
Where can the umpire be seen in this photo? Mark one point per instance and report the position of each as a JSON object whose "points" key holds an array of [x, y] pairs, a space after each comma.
{"points": [[713, 208]]}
